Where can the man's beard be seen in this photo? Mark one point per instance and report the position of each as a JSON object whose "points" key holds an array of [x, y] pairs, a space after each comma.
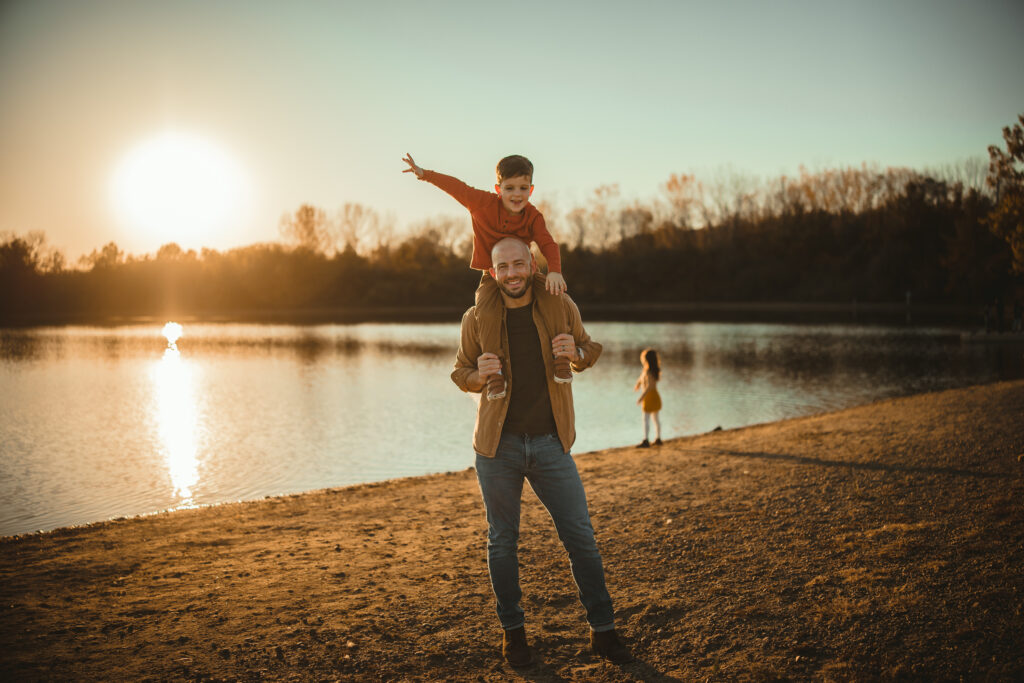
{"points": [[521, 294]]}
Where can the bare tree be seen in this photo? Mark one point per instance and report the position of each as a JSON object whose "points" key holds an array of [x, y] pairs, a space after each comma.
{"points": [[448, 232], [970, 173], [355, 225], [382, 235], [577, 220], [308, 228]]}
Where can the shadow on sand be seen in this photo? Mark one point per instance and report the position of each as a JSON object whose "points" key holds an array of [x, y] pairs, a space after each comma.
{"points": [[870, 466], [541, 672]]}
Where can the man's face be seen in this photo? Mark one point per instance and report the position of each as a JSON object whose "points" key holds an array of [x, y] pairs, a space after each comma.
{"points": [[515, 192], [513, 267]]}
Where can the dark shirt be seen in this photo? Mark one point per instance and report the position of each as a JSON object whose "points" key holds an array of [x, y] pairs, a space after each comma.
{"points": [[529, 409]]}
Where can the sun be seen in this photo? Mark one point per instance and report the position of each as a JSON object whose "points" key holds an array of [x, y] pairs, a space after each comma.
{"points": [[178, 187]]}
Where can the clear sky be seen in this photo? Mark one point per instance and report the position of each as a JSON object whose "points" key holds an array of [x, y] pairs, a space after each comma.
{"points": [[318, 101]]}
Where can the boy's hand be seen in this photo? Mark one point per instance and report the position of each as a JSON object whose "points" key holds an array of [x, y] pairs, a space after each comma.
{"points": [[413, 168], [555, 283]]}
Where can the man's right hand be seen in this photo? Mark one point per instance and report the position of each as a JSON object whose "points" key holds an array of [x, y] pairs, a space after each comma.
{"points": [[488, 364], [413, 168]]}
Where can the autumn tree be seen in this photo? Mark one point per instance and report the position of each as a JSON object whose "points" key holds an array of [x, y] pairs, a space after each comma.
{"points": [[106, 258], [1006, 178], [685, 197]]}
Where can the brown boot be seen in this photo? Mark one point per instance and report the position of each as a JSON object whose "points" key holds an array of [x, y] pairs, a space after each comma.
{"points": [[515, 649], [607, 644], [495, 387], [563, 371]]}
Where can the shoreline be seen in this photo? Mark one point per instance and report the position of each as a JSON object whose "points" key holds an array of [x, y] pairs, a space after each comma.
{"points": [[881, 541]]}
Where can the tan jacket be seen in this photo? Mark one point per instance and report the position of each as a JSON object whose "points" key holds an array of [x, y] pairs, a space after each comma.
{"points": [[490, 415]]}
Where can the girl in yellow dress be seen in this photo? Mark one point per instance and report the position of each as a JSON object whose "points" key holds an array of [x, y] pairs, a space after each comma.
{"points": [[650, 400]]}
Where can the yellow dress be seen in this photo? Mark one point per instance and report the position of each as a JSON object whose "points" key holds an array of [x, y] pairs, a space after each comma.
{"points": [[652, 401]]}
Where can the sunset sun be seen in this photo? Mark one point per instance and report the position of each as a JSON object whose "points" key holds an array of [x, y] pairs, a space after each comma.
{"points": [[178, 187]]}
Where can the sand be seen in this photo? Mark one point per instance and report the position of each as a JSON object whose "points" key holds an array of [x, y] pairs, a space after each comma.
{"points": [[880, 542]]}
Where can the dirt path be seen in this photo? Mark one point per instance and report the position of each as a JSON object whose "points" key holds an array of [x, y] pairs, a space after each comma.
{"points": [[885, 541]]}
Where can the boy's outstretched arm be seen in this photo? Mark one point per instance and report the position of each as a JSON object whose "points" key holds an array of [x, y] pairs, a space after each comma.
{"points": [[413, 168], [469, 197]]}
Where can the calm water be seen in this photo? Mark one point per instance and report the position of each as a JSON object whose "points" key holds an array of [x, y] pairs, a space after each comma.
{"points": [[103, 422]]}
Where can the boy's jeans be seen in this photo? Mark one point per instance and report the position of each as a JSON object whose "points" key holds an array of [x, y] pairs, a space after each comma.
{"points": [[554, 478]]}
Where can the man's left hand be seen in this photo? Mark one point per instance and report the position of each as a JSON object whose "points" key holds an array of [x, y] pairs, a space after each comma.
{"points": [[564, 346]]}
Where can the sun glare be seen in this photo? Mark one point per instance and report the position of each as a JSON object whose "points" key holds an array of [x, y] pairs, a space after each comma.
{"points": [[178, 187], [172, 333]]}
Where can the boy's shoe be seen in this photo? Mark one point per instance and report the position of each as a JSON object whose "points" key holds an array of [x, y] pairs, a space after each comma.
{"points": [[495, 387], [657, 442], [563, 370], [514, 647], [644, 444], [607, 644]]}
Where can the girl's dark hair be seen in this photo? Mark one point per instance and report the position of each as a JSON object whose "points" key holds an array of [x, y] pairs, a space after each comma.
{"points": [[650, 359]]}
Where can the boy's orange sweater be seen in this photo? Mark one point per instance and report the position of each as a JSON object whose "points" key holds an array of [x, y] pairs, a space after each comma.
{"points": [[492, 222]]}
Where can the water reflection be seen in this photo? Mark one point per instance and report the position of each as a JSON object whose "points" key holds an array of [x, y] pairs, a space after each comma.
{"points": [[275, 409], [176, 416], [16, 346]]}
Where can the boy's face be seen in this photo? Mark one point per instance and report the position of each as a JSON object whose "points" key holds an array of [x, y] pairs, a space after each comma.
{"points": [[515, 192]]}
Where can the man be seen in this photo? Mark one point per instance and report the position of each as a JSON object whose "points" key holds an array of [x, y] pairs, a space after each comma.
{"points": [[527, 435]]}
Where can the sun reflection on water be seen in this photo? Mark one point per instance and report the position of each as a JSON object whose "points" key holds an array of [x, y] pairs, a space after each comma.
{"points": [[172, 333], [176, 416]]}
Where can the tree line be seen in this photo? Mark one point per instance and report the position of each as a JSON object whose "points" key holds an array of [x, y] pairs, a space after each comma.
{"points": [[948, 236]]}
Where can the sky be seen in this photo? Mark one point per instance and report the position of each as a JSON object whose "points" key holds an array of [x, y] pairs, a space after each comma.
{"points": [[317, 102]]}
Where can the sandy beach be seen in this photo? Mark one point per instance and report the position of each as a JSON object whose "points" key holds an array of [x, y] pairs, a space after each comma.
{"points": [[880, 542]]}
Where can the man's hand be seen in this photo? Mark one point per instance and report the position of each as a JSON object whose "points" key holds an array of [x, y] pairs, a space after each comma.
{"points": [[488, 364], [555, 283], [413, 168], [565, 346]]}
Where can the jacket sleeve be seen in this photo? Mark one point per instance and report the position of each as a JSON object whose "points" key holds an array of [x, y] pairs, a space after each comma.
{"points": [[469, 197], [547, 244], [469, 351], [591, 349]]}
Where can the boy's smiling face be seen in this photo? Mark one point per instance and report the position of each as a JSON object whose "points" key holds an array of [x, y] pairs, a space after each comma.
{"points": [[515, 192]]}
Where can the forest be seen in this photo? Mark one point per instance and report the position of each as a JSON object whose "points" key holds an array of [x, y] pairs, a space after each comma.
{"points": [[949, 236]]}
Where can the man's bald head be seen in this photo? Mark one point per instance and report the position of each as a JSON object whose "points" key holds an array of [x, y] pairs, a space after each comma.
{"points": [[509, 249], [513, 268]]}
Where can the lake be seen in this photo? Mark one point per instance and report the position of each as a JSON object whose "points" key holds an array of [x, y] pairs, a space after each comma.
{"points": [[101, 422]]}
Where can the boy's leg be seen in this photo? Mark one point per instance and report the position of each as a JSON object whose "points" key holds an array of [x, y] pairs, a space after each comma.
{"points": [[489, 313], [552, 313]]}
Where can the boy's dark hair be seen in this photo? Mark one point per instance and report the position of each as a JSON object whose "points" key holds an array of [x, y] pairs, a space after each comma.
{"points": [[513, 166]]}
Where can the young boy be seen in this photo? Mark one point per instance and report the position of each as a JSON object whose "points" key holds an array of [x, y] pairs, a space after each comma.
{"points": [[505, 212]]}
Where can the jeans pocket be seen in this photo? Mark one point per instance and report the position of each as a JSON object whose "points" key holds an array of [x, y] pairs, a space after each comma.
{"points": [[549, 448], [509, 448], [557, 443]]}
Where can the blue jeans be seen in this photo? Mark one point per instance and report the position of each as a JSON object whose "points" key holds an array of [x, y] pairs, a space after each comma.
{"points": [[554, 478]]}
